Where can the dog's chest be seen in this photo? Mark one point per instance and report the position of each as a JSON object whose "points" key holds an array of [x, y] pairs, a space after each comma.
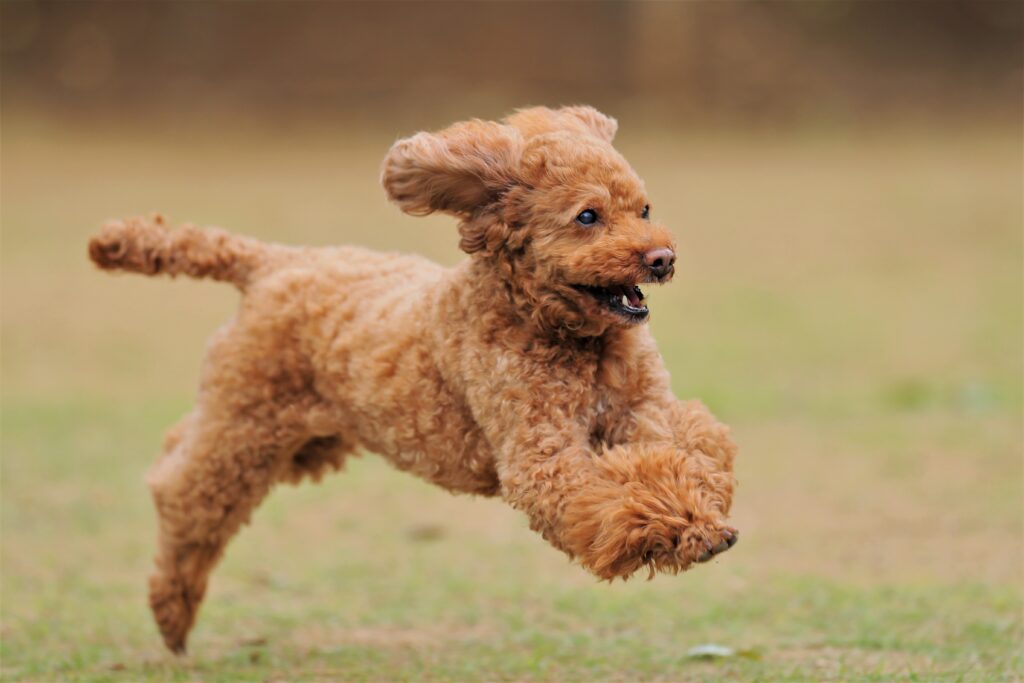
{"points": [[609, 420]]}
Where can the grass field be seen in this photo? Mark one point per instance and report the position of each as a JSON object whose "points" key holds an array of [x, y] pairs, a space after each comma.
{"points": [[851, 302]]}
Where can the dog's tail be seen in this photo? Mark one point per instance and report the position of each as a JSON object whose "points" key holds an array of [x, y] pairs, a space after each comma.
{"points": [[150, 247]]}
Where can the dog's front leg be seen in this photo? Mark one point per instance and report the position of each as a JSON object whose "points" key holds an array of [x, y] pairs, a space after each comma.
{"points": [[681, 439], [695, 434], [615, 510]]}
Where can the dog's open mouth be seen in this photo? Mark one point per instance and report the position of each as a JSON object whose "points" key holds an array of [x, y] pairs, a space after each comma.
{"points": [[624, 300]]}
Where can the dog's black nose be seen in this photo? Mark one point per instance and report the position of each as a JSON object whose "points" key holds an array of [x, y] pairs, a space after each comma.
{"points": [[660, 261]]}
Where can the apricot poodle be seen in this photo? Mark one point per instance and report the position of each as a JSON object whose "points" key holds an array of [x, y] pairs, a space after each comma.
{"points": [[526, 371]]}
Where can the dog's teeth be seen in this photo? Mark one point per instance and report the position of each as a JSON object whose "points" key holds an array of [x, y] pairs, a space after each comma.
{"points": [[624, 301]]}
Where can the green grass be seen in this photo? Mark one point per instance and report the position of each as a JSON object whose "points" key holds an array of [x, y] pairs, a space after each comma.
{"points": [[850, 303]]}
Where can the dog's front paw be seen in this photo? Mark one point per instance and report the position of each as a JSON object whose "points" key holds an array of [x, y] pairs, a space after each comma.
{"points": [[617, 540], [645, 510], [702, 542]]}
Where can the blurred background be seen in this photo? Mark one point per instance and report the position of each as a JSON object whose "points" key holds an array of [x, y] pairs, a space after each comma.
{"points": [[844, 181], [742, 62]]}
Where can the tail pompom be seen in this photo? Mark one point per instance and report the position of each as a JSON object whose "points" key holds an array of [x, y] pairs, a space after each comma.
{"points": [[134, 244], [150, 247]]}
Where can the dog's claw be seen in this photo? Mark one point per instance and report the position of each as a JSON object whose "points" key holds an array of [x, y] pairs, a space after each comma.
{"points": [[729, 537]]}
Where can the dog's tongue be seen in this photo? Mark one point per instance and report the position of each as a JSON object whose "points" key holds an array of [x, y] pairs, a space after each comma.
{"points": [[630, 293]]}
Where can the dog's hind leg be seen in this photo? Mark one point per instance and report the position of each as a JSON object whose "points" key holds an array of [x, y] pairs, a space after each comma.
{"points": [[217, 470]]}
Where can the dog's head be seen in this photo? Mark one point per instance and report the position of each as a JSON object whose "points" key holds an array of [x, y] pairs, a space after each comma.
{"points": [[545, 198]]}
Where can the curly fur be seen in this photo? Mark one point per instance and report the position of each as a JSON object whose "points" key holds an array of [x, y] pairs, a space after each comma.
{"points": [[500, 376]]}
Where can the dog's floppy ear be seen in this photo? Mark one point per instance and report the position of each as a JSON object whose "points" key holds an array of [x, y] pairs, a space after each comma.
{"points": [[580, 119], [458, 169]]}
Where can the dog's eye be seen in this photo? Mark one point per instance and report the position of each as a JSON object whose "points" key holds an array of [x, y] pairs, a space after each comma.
{"points": [[646, 213], [588, 217]]}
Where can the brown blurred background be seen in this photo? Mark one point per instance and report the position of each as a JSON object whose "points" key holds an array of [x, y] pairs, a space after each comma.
{"points": [[681, 61]]}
